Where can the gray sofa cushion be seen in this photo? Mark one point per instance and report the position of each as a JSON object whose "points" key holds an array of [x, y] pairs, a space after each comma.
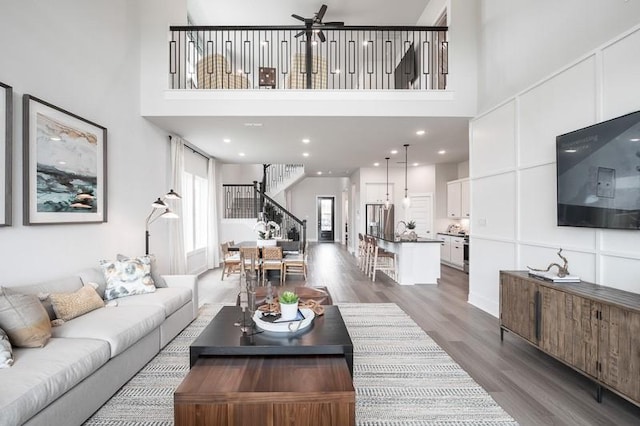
{"points": [[40, 376], [120, 326], [170, 299], [94, 275], [62, 285]]}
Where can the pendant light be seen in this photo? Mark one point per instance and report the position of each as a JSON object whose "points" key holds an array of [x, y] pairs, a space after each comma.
{"points": [[406, 202], [387, 203]]}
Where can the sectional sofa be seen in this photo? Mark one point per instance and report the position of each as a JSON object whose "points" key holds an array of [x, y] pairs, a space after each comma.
{"points": [[90, 357]]}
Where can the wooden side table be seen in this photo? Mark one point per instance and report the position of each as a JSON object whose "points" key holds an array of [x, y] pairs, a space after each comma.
{"points": [[264, 391]]}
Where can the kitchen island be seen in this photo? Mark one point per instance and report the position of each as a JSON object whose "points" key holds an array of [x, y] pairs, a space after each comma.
{"points": [[417, 262]]}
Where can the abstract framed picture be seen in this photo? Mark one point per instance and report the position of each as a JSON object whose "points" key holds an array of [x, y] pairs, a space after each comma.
{"points": [[6, 135], [65, 166]]}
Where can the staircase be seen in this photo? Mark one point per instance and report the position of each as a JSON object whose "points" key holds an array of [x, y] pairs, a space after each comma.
{"points": [[279, 177]]}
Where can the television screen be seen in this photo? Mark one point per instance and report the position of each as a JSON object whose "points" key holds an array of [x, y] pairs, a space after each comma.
{"points": [[599, 175]]}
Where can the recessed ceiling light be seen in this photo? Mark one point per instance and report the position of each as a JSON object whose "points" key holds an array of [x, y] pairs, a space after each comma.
{"points": [[319, 173], [376, 164], [635, 140], [62, 163], [394, 151], [416, 164], [226, 140], [55, 138], [442, 151], [305, 154], [420, 132], [306, 140], [241, 154], [365, 43], [329, 171], [570, 151]]}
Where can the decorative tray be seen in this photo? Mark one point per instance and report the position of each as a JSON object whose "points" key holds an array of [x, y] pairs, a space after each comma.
{"points": [[304, 319]]}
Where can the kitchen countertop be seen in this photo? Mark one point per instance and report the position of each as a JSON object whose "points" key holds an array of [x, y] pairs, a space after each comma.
{"points": [[398, 240], [453, 235]]}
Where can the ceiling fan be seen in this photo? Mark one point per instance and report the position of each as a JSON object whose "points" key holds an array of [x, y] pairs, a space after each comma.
{"points": [[316, 23]]}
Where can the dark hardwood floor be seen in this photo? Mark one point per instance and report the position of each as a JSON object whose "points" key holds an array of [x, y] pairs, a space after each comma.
{"points": [[531, 386]]}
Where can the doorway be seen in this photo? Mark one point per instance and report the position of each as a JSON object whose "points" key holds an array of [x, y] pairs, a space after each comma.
{"points": [[326, 218], [421, 211]]}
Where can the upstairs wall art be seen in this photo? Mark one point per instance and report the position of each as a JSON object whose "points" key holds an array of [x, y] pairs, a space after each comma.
{"points": [[65, 166], [6, 135]]}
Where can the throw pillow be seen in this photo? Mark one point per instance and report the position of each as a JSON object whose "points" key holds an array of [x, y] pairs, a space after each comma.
{"points": [[158, 281], [127, 277], [24, 319], [6, 352], [68, 306]]}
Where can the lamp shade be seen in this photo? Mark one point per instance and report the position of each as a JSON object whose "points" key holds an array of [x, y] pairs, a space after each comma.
{"points": [[168, 214], [406, 202], [158, 204], [172, 195]]}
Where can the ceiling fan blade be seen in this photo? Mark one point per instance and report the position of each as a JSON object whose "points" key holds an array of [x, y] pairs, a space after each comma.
{"points": [[321, 12], [321, 36], [334, 24], [298, 17], [299, 34]]}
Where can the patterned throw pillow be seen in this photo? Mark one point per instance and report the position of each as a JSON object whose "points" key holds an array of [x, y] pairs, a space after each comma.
{"points": [[127, 277], [6, 352], [24, 319], [67, 306], [158, 281]]}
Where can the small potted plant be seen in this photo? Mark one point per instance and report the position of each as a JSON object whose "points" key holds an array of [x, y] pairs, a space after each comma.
{"points": [[288, 305], [411, 226]]}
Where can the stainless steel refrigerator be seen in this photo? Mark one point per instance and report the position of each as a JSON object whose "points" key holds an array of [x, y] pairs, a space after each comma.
{"points": [[379, 222]]}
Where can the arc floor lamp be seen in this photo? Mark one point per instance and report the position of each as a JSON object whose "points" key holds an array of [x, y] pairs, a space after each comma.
{"points": [[160, 209]]}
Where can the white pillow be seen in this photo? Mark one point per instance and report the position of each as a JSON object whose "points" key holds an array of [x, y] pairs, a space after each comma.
{"points": [[127, 277], [6, 352]]}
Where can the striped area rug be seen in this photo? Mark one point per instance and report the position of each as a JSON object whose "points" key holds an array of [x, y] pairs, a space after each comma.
{"points": [[401, 376]]}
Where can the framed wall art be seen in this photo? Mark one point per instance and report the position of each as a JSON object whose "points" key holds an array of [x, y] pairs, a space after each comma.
{"points": [[6, 135], [65, 166]]}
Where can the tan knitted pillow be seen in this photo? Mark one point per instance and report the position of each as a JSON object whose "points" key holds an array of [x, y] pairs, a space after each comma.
{"points": [[71, 305], [24, 319]]}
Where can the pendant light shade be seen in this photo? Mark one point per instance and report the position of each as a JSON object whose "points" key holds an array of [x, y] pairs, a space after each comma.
{"points": [[406, 202], [387, 203]]}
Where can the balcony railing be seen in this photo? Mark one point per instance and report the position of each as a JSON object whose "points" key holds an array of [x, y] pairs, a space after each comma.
{"points": [[293, 57]]}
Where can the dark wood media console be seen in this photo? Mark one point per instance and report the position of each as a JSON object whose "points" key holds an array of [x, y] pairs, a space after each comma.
{"points": [[593, 329]]}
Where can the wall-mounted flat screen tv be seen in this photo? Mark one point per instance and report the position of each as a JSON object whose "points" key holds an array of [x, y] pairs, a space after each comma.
{"points": [[599, 175]]}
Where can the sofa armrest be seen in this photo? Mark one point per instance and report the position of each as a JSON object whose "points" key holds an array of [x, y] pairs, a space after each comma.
{"points": [[185, 281]]}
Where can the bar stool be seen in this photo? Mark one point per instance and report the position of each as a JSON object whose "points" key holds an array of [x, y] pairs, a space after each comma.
{"points": [[361, 251], [382, 260]]}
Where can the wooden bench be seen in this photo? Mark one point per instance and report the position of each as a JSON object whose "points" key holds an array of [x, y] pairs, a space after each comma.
{"points": [[266, 391]]}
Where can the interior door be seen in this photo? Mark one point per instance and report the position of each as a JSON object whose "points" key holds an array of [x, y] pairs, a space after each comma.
{"points": [[326, 218], [422, 213]]}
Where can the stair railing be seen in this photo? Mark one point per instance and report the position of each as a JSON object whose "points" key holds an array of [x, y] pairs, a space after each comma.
{"points": [[290, 226], [278, 173]]}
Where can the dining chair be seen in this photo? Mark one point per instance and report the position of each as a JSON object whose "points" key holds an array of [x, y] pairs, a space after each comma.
{"points": [[295, 264], [272, 261], [250, 259], [230, 261]]}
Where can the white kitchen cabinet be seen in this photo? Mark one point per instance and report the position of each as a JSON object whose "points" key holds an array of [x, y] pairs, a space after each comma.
{"points": [[445, 247], [458, 199], [452, 250], [457, 251], [376, 193], [465, 199]]}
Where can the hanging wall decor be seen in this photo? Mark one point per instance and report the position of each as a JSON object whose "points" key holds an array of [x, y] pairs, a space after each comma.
{"points": [[6, 134], [65, 166]]}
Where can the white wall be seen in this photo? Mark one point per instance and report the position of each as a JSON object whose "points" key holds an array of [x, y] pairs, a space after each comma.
{"points": [[523, 42], [304, 202], [241, 173], [83, 57], [512, 150]]}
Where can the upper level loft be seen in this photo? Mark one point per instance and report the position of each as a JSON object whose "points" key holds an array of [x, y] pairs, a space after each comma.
{"points": [[302, 70], [301, 57]]}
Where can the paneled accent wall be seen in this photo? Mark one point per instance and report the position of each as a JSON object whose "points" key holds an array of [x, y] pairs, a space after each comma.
{"points": [[513, 175]]}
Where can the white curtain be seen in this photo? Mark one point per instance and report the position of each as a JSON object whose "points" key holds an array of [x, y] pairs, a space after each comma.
{"points": [[177, 256], [213, 254]]}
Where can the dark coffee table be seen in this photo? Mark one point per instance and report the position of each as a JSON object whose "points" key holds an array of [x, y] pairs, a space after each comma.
{"points": [[327, 335]]}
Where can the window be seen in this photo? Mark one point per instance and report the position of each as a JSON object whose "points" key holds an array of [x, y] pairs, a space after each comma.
{"points": [[194, 202]]}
